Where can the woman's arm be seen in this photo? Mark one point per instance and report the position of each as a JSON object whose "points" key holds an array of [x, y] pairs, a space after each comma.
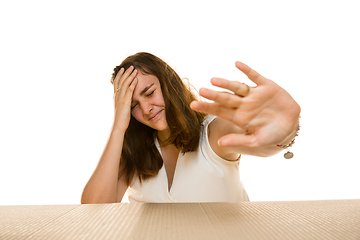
{"points": [[105, 186], [252, 120]]}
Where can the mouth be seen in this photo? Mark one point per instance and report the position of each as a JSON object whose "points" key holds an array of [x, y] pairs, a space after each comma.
{"points": [[155, 116]]}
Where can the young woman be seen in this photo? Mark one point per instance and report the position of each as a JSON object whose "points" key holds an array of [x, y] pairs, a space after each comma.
{"points": [[165, 146]]}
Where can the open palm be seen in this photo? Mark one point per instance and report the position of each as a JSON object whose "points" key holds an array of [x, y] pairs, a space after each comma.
{"points": [[267, 114]]}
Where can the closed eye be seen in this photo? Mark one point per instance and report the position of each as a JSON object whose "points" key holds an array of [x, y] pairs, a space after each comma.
{"points": [[133, 106], [148, 95]]}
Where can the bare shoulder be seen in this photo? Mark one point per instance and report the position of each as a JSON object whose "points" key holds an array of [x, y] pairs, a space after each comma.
{"points": [[218, 128]]}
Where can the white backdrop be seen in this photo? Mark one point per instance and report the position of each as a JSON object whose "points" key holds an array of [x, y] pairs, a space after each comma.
{"points": [[56, 101]]}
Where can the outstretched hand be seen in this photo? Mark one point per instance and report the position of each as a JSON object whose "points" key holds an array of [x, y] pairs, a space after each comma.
{"points": [[266, 113]]}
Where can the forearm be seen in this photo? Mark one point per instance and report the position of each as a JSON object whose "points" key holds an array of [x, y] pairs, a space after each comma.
{"points": [[102, 187]]}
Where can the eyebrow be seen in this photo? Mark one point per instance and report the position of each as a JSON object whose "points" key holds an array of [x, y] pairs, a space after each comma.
{"points": [[145, 89]]}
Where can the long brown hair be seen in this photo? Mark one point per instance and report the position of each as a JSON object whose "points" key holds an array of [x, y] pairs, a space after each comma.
{"points": [[139, 154]]}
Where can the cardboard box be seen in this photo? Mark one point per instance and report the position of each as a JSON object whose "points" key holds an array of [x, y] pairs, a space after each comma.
{"points": [[331, 219]]}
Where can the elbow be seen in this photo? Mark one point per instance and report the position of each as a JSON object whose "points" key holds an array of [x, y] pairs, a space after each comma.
{"points": [[85, 199], [95, 199]]}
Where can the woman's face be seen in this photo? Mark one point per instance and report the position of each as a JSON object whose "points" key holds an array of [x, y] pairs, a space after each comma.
{"points": [[148, 106]]}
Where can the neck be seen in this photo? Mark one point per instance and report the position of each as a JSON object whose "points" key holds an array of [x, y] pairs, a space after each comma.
{"points": [[163, 136]]}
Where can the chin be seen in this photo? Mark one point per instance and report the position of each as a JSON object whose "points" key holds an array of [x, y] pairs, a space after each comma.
{"points": [[164, 127]]}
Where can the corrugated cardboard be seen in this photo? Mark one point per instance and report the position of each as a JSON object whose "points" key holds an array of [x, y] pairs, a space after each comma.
{"points": [[335, 219]]}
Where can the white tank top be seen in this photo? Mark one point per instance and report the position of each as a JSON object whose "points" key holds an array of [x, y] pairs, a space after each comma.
{"points": [[200, 176]]}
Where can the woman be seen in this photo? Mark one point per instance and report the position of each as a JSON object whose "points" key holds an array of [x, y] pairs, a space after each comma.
{"points": [[167, 147]]}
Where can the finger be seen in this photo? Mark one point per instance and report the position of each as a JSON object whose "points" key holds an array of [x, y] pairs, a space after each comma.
{"points": [[121, 77], [125, 80], [117, 77], [214, 109], [130, 90], [128, 79], [123, 100], [129, 84], [238, 88], [251, 74], [125, 94], [235, 140], [224, 98]]}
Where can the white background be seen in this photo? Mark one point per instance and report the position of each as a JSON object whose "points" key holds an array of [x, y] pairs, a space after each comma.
{"points": [[56, 104]]}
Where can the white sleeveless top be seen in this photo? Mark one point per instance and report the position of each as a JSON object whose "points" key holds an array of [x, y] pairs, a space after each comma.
{"points": [[200, 176]]}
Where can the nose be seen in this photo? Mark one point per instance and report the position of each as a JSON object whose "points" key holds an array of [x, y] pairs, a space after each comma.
{"points": [[146, 108]]}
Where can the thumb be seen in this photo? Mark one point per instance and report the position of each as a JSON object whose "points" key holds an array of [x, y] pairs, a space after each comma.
{"points": [[236, 140]]}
